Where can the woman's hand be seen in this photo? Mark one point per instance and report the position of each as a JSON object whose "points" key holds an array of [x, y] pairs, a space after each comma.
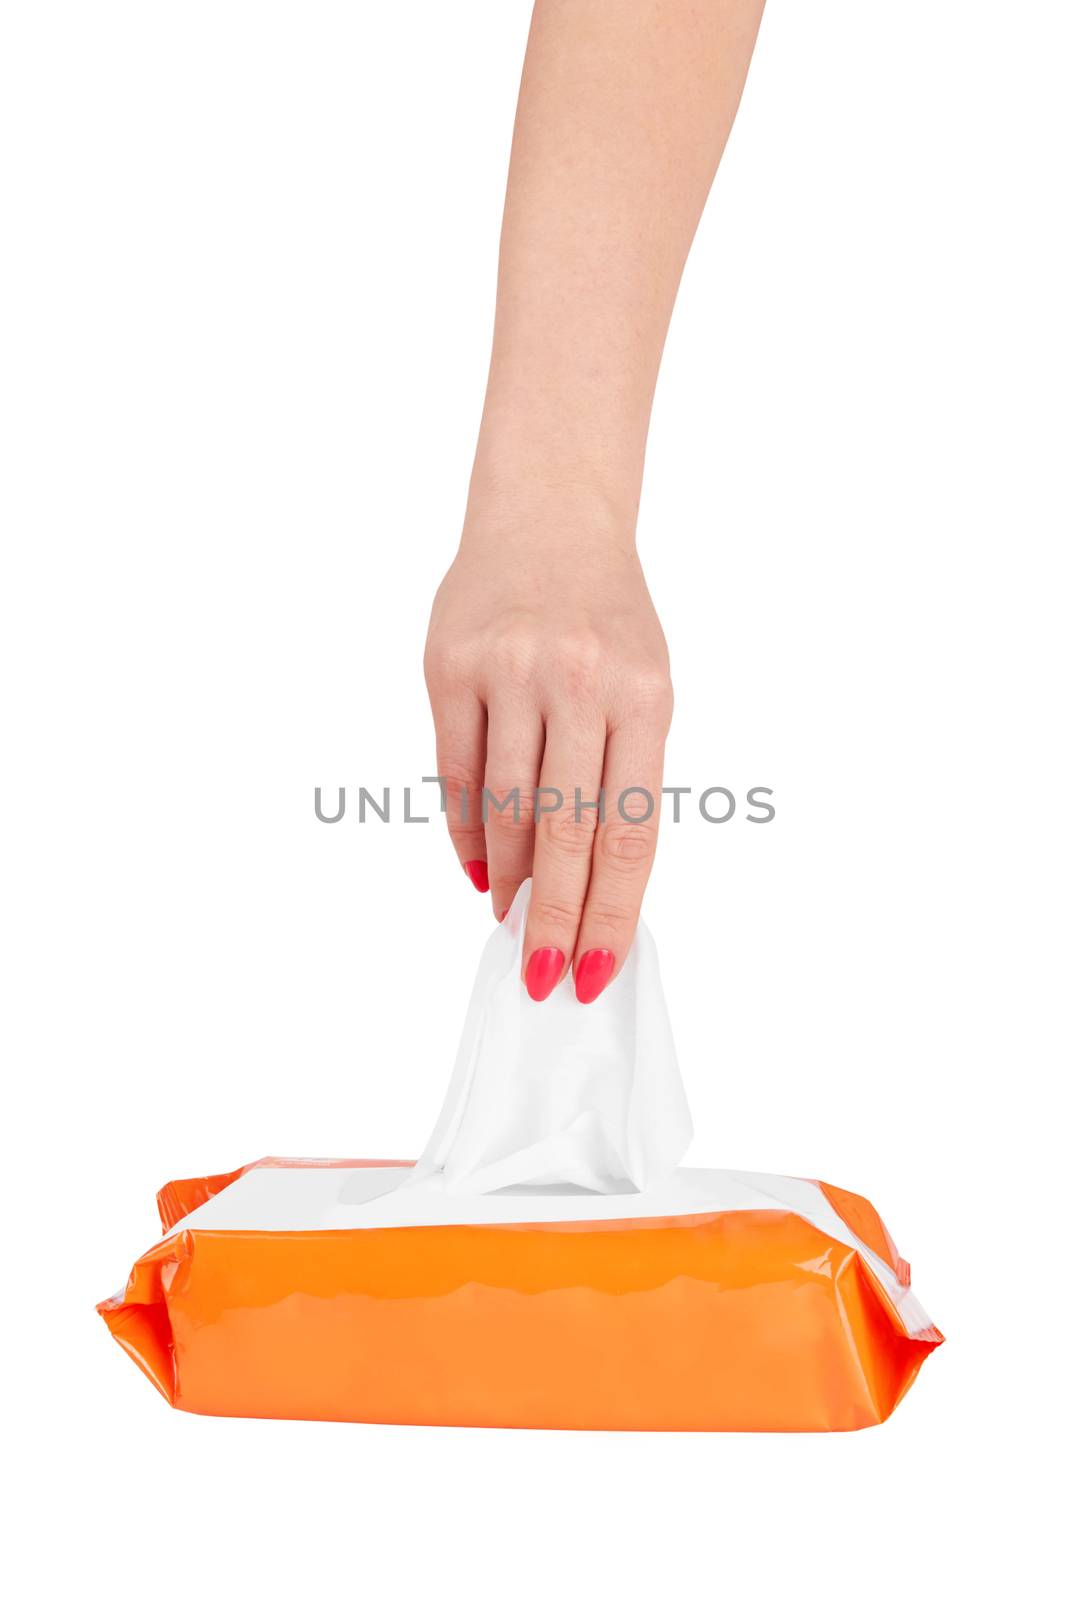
{"points": [[546, 665], [549, 680]]}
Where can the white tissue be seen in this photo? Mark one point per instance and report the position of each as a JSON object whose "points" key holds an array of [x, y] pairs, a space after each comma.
{"points": [[559, 1092]]}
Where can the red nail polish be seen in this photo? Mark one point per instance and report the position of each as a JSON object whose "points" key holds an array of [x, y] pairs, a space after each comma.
{"points": [[543, 972], [477, 872], [594, 972]]}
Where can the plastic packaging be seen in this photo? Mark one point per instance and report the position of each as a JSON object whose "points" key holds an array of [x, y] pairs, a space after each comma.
{"points": [[545, 1264], [344, 1291]]}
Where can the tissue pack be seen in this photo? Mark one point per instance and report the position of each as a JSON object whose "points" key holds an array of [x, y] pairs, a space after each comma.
{"points": [[377, 1292], [546, 1263]]}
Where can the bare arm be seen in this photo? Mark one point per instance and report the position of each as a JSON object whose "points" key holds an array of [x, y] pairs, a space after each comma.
{"points": [[545, 661], [624, 111]]}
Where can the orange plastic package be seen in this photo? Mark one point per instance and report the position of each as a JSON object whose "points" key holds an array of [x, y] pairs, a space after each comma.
{"points": [[350, 1291]]}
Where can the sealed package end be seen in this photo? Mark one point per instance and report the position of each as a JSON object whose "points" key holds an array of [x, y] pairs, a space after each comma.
{"points": [[375, 1292]]}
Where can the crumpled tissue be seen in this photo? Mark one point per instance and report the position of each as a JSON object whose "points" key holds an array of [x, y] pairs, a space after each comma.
{"points": [[560, 1093]]}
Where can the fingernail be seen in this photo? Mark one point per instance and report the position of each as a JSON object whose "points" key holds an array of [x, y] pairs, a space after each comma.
{"points": [[543, 972], [503, 913], [594, 972], [477, 872]]}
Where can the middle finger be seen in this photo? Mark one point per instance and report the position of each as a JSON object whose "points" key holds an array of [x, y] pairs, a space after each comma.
{"points": [[563, 845]]}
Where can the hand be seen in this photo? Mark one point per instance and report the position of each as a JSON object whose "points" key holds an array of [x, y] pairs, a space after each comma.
{"points": [[547, 669]]}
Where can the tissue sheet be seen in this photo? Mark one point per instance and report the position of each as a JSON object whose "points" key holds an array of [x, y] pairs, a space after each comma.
{"points": [[561, 1092], [359, 1291]]}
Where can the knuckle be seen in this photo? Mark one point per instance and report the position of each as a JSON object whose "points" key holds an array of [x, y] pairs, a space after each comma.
{"points": [[611, 922], [447, 661], [513, 655], [627, 844], [460, 799], [564, 834], [651, 694], [554, 917], [509, 811], [579, 649], [506, 884], [579, 659], [635, 806], [433, 665], [457, 775]]}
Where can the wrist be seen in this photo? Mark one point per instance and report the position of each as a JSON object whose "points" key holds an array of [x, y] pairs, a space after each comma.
{"points": [[522, 493], [526, 510]]}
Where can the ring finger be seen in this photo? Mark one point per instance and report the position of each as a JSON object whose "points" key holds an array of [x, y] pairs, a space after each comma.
{"points": [[512, 763]]}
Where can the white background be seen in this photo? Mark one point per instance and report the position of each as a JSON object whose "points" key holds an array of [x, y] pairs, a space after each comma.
{"points": [[249, 264]]}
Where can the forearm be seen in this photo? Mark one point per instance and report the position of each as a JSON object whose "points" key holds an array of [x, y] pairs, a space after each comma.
{"points": [[623, 114]]}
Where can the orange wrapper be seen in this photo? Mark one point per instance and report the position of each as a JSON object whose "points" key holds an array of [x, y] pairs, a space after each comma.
{"points": [[350, 1291]]}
